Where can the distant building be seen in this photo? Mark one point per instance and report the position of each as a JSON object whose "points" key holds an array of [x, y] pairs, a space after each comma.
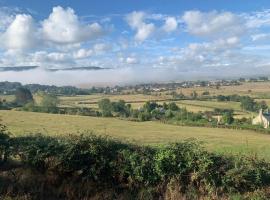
{"points": [[262, 119], [219, 119]]}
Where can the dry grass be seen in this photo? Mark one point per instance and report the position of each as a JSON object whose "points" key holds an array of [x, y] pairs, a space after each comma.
{"points": [[219, 140], [256, 90]]}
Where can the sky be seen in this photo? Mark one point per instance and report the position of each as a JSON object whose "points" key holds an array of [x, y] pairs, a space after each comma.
{"points": [[134, 41]]}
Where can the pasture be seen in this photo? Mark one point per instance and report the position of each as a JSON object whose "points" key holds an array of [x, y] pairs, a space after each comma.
{"points": [[147, 133], [253, 89]]}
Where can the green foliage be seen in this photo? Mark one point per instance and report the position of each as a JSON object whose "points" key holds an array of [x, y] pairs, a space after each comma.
{"points": [[205, 93], [262, 105], [37, 150], [172, 106], [23, 96], [105, 107], [144, 116], [49, 103], [169, 114], [4, 144], [149, 106], [108, 161], [109, 109], [227, 118], [247, 103], [247, 174], [136, 166], [121, 108]]}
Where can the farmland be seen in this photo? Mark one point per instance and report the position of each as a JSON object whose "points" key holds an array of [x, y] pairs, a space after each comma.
{"points": [[145, 132], [148, 133]]}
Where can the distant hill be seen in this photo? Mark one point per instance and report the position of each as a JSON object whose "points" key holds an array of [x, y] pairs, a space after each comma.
{"points": [[25, 68], [17, 68], [78, 68]]}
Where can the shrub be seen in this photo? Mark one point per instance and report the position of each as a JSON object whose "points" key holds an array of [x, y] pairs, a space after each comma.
{"points": [[4, 144], [106, 162]]}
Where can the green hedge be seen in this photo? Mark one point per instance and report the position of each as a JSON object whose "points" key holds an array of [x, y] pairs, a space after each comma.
{"points": [[108, 161]]}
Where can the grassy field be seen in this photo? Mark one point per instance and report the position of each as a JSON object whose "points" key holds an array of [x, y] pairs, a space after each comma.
{"points": [[253, 89], [138, 100], [258, 90], [151, 133]]}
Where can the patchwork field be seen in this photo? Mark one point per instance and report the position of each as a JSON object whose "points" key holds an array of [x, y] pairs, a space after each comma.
{"points": [[253, 89], [150, 133]]}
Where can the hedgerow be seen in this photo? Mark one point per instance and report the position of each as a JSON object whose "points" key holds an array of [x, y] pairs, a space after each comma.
{"points": [[110, 161]]}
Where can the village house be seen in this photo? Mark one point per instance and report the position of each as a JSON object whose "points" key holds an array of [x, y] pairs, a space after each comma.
{"points": [[262, 119]]}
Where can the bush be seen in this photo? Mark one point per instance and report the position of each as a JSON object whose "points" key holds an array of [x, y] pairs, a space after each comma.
{"points": [[109, 162], [4, 144]]}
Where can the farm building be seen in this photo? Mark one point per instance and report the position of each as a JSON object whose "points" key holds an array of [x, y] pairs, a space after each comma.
{"points": [[262, 119]]}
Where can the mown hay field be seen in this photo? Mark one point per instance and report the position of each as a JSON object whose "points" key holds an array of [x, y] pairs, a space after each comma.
{"points": [[148, 133]]}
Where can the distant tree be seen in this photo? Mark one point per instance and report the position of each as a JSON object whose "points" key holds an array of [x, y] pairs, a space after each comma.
{"points": [[222, 98], [247, 103], [121, 108], [263, 78], [206, 93], [172, 106], [105, 107], [49, 103], [149, 106], [228, 118], [242, 79], [194, 95], [176, 95], [144, 116], [262, 105], [23, 96], [165, 106], [169, 114]]}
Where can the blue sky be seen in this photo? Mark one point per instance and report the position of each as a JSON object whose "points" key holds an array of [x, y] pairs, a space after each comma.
{"points": [[140, 41]]}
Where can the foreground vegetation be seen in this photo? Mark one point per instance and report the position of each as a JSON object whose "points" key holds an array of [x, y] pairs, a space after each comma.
{"points": [[80, 167]]}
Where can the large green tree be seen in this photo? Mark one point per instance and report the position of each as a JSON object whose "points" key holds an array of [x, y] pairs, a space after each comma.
{"points": [[105, 106], [23, 96], [49, 103]]}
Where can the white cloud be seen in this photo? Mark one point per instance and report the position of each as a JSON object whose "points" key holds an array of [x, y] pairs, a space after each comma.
{"points": [[20, 34], [63, 26], [129, 60], [260, 37], [58, 57], [101, 47], [82, 53], [136, 22], [170, 24], [257, 19], [213, 23]]}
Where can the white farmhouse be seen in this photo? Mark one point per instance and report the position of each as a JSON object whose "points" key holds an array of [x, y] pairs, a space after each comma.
{"points": [[262, 119]]}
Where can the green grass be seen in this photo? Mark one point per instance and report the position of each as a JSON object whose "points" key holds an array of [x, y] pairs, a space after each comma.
{"points": [[150, 133]]}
